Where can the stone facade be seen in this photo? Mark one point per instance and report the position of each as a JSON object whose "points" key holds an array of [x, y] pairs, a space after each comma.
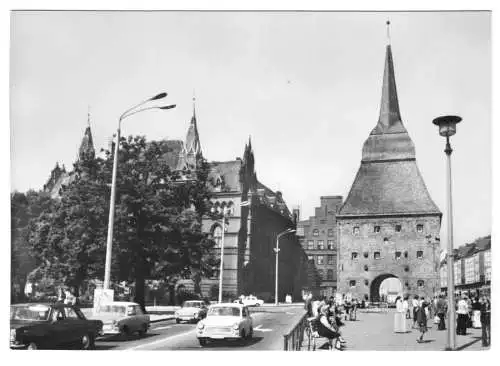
{"points": [[388, 226], [318, 237]]}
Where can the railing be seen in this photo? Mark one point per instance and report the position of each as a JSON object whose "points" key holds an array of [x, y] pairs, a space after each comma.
{"points": [[293, 340]]}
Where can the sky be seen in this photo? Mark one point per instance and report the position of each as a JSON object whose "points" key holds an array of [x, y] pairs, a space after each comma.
{"points": [[306, 86]]}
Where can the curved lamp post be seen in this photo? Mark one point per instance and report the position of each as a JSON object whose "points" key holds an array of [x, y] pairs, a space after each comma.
{"points": [[277, 250], [447, 128], [129, 112]]}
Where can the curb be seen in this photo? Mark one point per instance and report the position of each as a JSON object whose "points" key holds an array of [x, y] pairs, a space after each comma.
{"points": [[162, 319]]}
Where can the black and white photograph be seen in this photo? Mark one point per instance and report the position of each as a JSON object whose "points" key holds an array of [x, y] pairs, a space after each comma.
{"points": [[250, 180]]}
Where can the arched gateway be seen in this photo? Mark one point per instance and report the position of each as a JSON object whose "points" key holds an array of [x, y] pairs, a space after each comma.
{"points": [[388, 222], [375, 286]]}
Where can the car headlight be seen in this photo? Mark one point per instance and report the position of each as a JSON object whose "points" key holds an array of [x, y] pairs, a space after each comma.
{"points": [[236, 326], [13, 334], [200, 325]]}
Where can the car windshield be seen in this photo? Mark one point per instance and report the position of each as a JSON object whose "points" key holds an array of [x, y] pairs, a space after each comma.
{"points": [[224, 311], [30, 312], [112, 309], [192, 304]]}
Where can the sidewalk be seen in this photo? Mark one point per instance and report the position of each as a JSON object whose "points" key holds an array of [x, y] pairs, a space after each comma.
{"points": [[374, 332]]}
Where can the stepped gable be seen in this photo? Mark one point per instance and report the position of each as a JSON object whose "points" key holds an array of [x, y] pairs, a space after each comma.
{"points": [[388, 181]]}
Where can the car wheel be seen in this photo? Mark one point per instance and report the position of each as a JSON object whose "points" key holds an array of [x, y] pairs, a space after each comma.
{"points": [[32, 346], [250, 333], [203, 342], [126, 331], [143, 330], [87, 342]]}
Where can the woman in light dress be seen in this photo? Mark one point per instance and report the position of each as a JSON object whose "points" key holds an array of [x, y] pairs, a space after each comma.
{"points": [[400, 316]]}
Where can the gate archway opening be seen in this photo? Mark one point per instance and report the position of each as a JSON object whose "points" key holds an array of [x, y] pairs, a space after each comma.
{"points": [[384, 287]]}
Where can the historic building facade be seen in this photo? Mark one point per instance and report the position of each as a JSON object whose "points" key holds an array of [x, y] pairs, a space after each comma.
{"points": [[250, 231], [472, 268], [388, 225], [318, 237]]}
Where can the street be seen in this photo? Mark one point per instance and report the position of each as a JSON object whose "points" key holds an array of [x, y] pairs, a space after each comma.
{"points": [[269, 326]]}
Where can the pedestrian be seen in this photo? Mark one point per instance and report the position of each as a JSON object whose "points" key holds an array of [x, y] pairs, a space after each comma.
{"points": [[399, 316], [476, 313], [406, 307], [462, 314], [485, 320], [422, 320], [414, 305], [441, 309]]}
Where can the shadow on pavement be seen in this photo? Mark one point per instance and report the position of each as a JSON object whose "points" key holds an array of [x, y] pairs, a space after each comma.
{"points": [[245, 343], [121, 338], [477, 339]]}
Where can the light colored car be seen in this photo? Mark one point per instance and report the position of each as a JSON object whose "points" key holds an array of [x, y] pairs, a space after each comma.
{"points": [[225, 321], [121, 317], [192, 310], [250, 301]]}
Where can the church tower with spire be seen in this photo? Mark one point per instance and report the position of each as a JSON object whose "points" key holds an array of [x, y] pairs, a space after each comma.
{"points": [[192, 147], [388, 226]]}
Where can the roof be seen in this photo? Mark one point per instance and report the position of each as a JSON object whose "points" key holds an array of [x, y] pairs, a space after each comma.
{"points": [[229, 171], [388, 188]]}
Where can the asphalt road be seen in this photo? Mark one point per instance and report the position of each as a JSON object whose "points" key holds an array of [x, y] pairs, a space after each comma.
{"points": [[269, 326]]}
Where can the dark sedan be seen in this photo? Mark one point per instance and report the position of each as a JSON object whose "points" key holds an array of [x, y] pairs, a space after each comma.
{"points": [[51, 326]]}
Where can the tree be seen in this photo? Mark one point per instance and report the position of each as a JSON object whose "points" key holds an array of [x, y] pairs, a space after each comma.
{"points": [[25, 207]]}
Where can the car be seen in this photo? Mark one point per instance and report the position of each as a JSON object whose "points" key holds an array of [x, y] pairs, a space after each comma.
{"points": [[122, 318], [192, 310], [225, 321], [250, 301], [51, 325]]}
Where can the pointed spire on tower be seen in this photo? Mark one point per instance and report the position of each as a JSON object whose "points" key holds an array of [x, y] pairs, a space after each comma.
{"points": [[87, 151], [192, 148], [390, 118]]}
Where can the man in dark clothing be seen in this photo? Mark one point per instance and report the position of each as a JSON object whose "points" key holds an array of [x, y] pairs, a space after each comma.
{"points": [[485, 320], [441, 309]]}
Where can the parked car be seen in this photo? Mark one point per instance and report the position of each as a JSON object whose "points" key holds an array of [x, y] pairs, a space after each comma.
{"points": [[45, 325], [225, 321], [250, 301], [122, 317], [192, 310]]}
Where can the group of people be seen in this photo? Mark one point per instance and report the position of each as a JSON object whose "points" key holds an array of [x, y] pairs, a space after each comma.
{"points": [[470, 313], [326, 315]]}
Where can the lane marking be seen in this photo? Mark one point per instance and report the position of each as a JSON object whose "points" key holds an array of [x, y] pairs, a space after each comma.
{"points": [[258, 328], [164, 327], [163, 340], [290, 313]]}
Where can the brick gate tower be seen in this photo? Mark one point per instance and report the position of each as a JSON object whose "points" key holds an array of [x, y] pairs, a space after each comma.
{"points": [[389, 225]]}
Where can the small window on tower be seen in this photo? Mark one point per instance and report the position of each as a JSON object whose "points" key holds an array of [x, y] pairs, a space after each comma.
{"points": [[376, 229], [365, 254], [354, 255], [398, 228], [366, 268], [420, 283], [376, 255], [406, 254], [352, 283], [420, 254], [366, 282], [420, 228], [398, 255], [355, 230]]}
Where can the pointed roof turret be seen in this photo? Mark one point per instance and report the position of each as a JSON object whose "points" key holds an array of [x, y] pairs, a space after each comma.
{"points": [[86, 150], [193, 145]]}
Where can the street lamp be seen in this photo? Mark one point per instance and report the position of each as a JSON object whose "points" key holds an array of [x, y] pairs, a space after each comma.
{"points": [[109, 241], [277, 250], [447, 128]]}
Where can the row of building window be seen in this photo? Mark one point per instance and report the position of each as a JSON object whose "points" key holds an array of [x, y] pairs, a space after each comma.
{"points": [[420, 283], [330, 232], [320, 259], [320, 245], [397, 228], [397, 255], [329, 275]]}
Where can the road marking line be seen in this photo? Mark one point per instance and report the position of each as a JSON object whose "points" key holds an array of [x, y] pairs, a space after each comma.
{"points": [[165, 327], [290, 313], [258, 328], [161, 340]]}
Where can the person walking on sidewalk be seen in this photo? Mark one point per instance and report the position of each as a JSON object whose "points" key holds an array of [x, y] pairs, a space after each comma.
{"points": [[414, 306], [485, 320], [422, 319], [441, 309], [462, 314], [399, 317]]}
